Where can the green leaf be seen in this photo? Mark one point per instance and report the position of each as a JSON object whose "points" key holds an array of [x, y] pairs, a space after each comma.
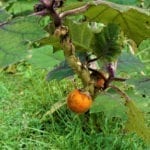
{"points": [[81, 35], [144, 50], [112, 105], [129, 63], [142, 100], [142, 84], [63, 70], [60, 72], [132, 20], [44, 57], [4, 15], [125, 2], [107, 44], [15, 36], [22, 7]]}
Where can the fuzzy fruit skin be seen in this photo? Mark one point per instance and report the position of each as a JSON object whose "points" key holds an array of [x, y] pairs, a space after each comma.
{"points": [[78, 101]]}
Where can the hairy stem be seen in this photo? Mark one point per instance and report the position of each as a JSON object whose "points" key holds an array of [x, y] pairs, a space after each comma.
{"points": [[120, 92], [74, 62]]}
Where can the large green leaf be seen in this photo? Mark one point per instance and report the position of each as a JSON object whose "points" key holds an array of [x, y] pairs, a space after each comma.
{"points": [[112, 105], [133, 21], [45, 58], [15, 36]]}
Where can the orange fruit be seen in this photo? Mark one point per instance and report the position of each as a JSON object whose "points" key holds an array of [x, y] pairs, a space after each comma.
{"points": [[100, 83], [79, 101]]}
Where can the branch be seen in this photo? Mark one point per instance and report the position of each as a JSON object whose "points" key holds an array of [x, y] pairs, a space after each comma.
{"points": [[122, 93], [74, 11], [81, 9]]}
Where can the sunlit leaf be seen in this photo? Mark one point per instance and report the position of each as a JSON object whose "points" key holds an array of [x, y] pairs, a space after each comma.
{"points": [[15, 36]]}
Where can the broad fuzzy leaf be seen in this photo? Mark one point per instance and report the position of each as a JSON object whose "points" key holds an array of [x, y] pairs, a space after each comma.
{"points": [[15, 36], [108, 43], [112, 105], [142, 84], [136, 122], [45, 58], [132, 20], [129, 63]]}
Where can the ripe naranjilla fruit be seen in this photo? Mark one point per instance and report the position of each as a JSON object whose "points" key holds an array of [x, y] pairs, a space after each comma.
{"points": [[100, 83], [79, 101]]}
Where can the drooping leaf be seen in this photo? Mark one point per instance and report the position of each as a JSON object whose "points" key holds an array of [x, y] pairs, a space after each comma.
{"points": [[129, 63], [107, 44], [15, 36], [142, 84], [60, 72], [44, 57], [136, 122], [112, 105]]}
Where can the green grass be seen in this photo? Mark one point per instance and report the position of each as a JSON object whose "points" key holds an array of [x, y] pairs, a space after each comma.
{"points": [[25, 97]]}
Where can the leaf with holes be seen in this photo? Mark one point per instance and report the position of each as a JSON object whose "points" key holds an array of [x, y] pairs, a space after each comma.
{"points": [[142, 84]]}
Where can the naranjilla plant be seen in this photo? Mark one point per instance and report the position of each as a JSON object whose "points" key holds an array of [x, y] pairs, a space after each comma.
{"points": [[96, 40]]}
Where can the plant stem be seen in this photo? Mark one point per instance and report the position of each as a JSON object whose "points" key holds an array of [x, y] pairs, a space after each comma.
{"points": [[122, 93], [74, 62]]}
